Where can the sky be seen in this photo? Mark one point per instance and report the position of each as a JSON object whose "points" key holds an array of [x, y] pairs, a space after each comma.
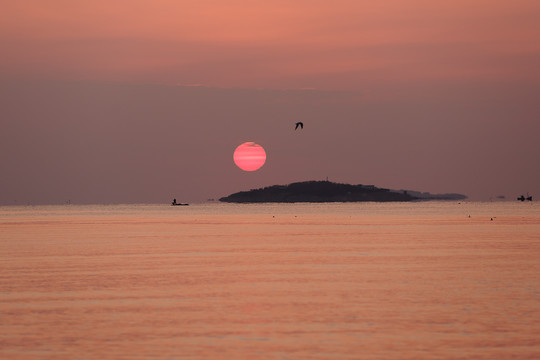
{"points": [[142, 101]]}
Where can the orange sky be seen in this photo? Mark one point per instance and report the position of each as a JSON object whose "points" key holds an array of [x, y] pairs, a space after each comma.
{"points": [[278, 44], [418, 94]]}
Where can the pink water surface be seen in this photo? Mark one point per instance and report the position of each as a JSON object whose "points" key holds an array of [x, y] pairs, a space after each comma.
{"points": [[218, 281]]}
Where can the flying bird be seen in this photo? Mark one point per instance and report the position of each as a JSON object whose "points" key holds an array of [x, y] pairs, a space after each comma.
{"points": [[301, 124]]}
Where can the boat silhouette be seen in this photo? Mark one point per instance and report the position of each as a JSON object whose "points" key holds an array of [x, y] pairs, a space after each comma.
{"points": [[523, 198], [174, 203]]}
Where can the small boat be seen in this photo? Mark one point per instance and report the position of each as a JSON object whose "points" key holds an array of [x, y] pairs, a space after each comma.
{"points": [[523, 198], [174, 203]]}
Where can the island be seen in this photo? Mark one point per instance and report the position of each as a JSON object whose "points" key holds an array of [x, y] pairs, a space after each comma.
{"points": [[326, 191]]}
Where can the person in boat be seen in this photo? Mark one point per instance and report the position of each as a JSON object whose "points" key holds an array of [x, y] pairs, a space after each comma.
{"points": [[174, 202]]}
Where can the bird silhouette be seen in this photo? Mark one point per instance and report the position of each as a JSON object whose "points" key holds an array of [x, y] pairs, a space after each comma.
{"points": [[301, 124]]}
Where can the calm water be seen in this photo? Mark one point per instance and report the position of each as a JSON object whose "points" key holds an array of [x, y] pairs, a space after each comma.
{"points": [[299, 281]]}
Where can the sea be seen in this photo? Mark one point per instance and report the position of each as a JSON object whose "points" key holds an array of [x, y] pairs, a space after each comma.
{"points": [[417, 280]]}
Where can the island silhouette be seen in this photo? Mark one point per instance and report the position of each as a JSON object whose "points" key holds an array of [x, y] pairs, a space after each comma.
{"points": [[327, 191]]}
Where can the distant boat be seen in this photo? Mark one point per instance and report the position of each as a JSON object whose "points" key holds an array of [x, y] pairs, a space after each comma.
{"points": [[174, 203], [523, 198]]}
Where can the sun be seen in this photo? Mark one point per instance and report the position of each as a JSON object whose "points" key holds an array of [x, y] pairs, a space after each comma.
{"points": [[249, 156]]}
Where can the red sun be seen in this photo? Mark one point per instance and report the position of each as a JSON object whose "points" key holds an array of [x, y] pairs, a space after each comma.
{"points": [[249, 156]]}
